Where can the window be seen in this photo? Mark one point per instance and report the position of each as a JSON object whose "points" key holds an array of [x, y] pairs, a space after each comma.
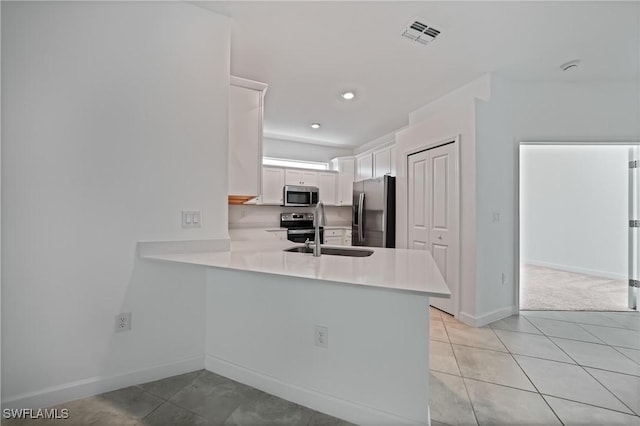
{"points": [[281, 162]]}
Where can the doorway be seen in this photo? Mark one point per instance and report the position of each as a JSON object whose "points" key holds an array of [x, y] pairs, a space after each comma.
{"points": [[578, 250], [433, 212]]}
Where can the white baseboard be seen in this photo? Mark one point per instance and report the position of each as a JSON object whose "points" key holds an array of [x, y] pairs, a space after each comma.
{"points": [[100, 384], [576, 269], [343, 409], [488, 317]]}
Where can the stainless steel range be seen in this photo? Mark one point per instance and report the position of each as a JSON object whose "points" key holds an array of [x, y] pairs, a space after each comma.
{"points": [[299, 227]]}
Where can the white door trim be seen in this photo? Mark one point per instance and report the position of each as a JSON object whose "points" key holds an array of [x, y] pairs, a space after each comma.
{"points": [[516, 272], [634, 214], [455, 141]]}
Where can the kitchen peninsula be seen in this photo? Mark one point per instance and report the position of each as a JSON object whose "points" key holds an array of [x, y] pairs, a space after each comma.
{"points": [[348, 336]]}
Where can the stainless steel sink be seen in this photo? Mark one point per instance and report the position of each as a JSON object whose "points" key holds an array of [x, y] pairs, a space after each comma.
{"points": [[333, 251]]}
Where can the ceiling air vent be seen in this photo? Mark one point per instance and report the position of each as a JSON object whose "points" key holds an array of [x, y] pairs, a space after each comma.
{"points": [[420, 32]]}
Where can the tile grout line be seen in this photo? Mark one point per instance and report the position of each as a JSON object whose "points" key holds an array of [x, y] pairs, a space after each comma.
{"points": [[622, 353], [184, 387], [581, 326], [576, 363], [529, 378], [584, 367], [167, 400], [609, 390], [466, 390], [620, 327], [532, 324], [588, 404]]}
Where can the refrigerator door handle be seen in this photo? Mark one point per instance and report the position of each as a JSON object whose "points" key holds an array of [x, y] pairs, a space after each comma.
{"points": [[360, 214]]}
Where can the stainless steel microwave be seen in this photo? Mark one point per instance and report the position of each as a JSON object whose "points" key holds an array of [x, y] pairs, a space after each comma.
{"points": [[300, 196]]}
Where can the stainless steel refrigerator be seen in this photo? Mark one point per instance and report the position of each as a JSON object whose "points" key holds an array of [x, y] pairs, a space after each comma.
{"points": [[374, 212]]}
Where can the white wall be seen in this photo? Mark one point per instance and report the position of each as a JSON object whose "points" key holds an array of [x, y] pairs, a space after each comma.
{"points": [[355, 377], [388, 139], [114, 119], [574, 208], [279, 148], [492, 115], [534, 111], [253, 216], [441, 120]]}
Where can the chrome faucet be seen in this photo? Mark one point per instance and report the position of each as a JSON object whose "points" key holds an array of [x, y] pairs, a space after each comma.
{"points": [[317, 223]]}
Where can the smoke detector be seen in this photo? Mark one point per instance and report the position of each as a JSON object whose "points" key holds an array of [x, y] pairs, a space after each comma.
{"points": [[570, 66], [418, 30]]}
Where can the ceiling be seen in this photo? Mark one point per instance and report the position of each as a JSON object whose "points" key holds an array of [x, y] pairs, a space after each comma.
{"points": [[310, 52]]}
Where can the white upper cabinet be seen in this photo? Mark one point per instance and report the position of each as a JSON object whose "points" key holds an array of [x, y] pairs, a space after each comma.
{"points": [[381, 162], [272, 185], [301, 177], [346, 175], [364, 169], [327, 187], [377, 163], [246, 103]]}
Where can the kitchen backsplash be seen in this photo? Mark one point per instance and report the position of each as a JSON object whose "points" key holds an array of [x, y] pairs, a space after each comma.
{"points": [[252, 216]]}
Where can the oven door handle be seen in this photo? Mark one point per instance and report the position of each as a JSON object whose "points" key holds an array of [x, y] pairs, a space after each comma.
{"points": [[300, 231]]}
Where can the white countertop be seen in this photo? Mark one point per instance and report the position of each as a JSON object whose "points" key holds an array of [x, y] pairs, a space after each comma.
{"points": [[393, 269]]}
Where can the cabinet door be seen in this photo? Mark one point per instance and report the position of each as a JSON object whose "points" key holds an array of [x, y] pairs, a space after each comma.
{"points": [[301, 177], [381, 162], [346, 176], [272, 185], [327, 187], [309, 178], [333, 241], [245, 141], [293, 177], [365, 167]]}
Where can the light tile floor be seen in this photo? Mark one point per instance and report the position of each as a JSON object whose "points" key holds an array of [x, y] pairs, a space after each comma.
{"points": [[540, 368]]}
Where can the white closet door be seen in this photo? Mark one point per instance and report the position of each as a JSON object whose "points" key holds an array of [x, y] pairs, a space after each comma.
{"points": [[433, 215]]}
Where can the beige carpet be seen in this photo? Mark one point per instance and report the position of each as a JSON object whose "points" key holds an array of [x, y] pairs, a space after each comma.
{"points": [[551, 289]]}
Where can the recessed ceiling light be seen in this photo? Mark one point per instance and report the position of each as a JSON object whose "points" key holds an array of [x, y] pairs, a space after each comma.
{"points": [[315, 125], [348, 95]]}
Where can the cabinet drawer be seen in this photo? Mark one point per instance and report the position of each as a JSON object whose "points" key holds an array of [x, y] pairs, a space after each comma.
{"points": [[334, 241], [333, 232]]}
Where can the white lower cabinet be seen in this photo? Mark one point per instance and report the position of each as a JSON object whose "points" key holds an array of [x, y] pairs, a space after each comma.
{"points": [[336, 237], [346, 241]]}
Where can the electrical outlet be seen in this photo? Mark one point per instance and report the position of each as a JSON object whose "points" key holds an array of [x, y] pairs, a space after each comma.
{"points": [[322, 336], [191, 219], [123, 321]]}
